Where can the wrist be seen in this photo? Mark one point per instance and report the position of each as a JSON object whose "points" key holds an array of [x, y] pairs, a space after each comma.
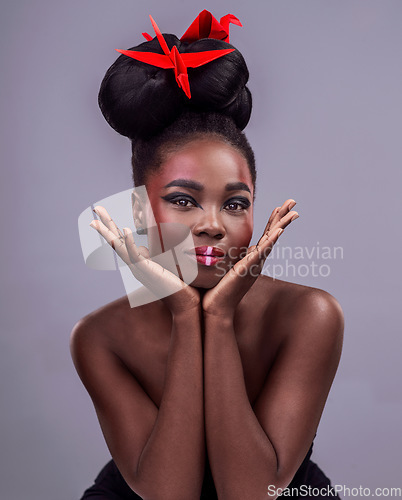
{"points": [[211, 308], [187, 314], [223, 317]]}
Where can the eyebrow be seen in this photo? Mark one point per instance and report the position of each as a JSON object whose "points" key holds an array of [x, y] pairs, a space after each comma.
{"points": [[197, 186]]}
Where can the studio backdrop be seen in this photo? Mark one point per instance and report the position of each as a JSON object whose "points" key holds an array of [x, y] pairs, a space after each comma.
{"points": [[326, 79]]}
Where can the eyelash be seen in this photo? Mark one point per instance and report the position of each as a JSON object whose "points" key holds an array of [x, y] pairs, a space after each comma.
{"points": [[244, 204]]}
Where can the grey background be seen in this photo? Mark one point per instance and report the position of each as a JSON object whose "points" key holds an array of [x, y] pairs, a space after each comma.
{"points": [[326, 79]]}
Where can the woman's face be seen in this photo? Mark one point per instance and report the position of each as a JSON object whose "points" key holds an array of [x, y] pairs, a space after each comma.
{"points": [[206, 186]]}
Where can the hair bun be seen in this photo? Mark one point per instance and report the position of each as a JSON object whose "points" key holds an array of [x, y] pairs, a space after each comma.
{"points": [[220, 85], [139, 100]]}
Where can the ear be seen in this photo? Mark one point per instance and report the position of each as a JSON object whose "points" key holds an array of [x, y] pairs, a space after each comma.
{"points": [[142, 211], [138, 211]]}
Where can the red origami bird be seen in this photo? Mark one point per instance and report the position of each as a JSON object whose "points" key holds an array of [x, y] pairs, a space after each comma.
{"points": [[206, 26], [174, 59]]}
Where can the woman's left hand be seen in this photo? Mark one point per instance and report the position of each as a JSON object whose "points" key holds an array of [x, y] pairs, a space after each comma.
{"points": [[222, 299]]}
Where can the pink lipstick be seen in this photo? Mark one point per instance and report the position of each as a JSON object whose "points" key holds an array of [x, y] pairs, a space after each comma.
{"points": [[208, 255]]}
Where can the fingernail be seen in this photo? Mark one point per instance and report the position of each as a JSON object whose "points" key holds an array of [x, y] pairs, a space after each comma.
{"points": [[280, 232], [294, 217], [291, 205]]}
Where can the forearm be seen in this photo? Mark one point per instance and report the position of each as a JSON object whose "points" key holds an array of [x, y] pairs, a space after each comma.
{"points": [[242, 458], [172, 461]]}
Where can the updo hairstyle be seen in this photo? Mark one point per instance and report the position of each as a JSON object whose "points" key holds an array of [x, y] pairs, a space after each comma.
{"points": [[145, 104]]}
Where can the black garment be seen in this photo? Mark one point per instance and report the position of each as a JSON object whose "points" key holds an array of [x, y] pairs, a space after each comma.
{"points": [[110, 484]]}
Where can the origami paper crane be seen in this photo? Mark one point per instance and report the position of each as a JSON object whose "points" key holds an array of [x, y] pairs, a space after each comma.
{"points": [[206, 26], [174, 59]]}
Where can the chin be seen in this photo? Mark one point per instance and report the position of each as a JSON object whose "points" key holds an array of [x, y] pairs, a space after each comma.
{"points": [[207, 280]]}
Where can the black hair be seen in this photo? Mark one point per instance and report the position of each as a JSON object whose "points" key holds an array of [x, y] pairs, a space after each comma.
{"points": [[145, 103]]}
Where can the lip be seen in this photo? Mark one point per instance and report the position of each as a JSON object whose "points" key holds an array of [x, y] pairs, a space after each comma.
{"points": [[209, 251], [207, 255]]}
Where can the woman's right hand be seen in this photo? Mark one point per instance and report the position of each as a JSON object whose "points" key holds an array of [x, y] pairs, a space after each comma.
{"points": [[177, 295]]}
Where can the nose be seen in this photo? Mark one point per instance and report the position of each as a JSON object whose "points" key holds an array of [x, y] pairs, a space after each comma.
{"points": [[210, 223]]}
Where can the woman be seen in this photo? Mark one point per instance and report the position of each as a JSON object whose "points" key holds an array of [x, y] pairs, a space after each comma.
{"points": [[216, 389]]}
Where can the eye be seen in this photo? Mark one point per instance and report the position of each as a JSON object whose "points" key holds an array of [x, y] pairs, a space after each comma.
{"points": [[180, 200], [237, 205], [234, 206]]}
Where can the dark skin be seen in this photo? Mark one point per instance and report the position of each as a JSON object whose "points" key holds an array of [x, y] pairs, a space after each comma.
{"points": [[238, 367]]}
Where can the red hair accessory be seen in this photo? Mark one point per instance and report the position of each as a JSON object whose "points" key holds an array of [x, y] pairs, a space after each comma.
{"points": [[173, 59], [206, 26]]}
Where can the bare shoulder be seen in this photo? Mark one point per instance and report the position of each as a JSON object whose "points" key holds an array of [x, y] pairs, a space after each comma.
{"points": [[94, 324], [89, 338], [291, 294], [108, 326], [308, 310]]}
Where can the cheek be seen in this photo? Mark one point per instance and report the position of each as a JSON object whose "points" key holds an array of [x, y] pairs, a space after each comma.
{"points": [[242, 230], [170, 231], [160, 214], [162, 211], [240, 239]]}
